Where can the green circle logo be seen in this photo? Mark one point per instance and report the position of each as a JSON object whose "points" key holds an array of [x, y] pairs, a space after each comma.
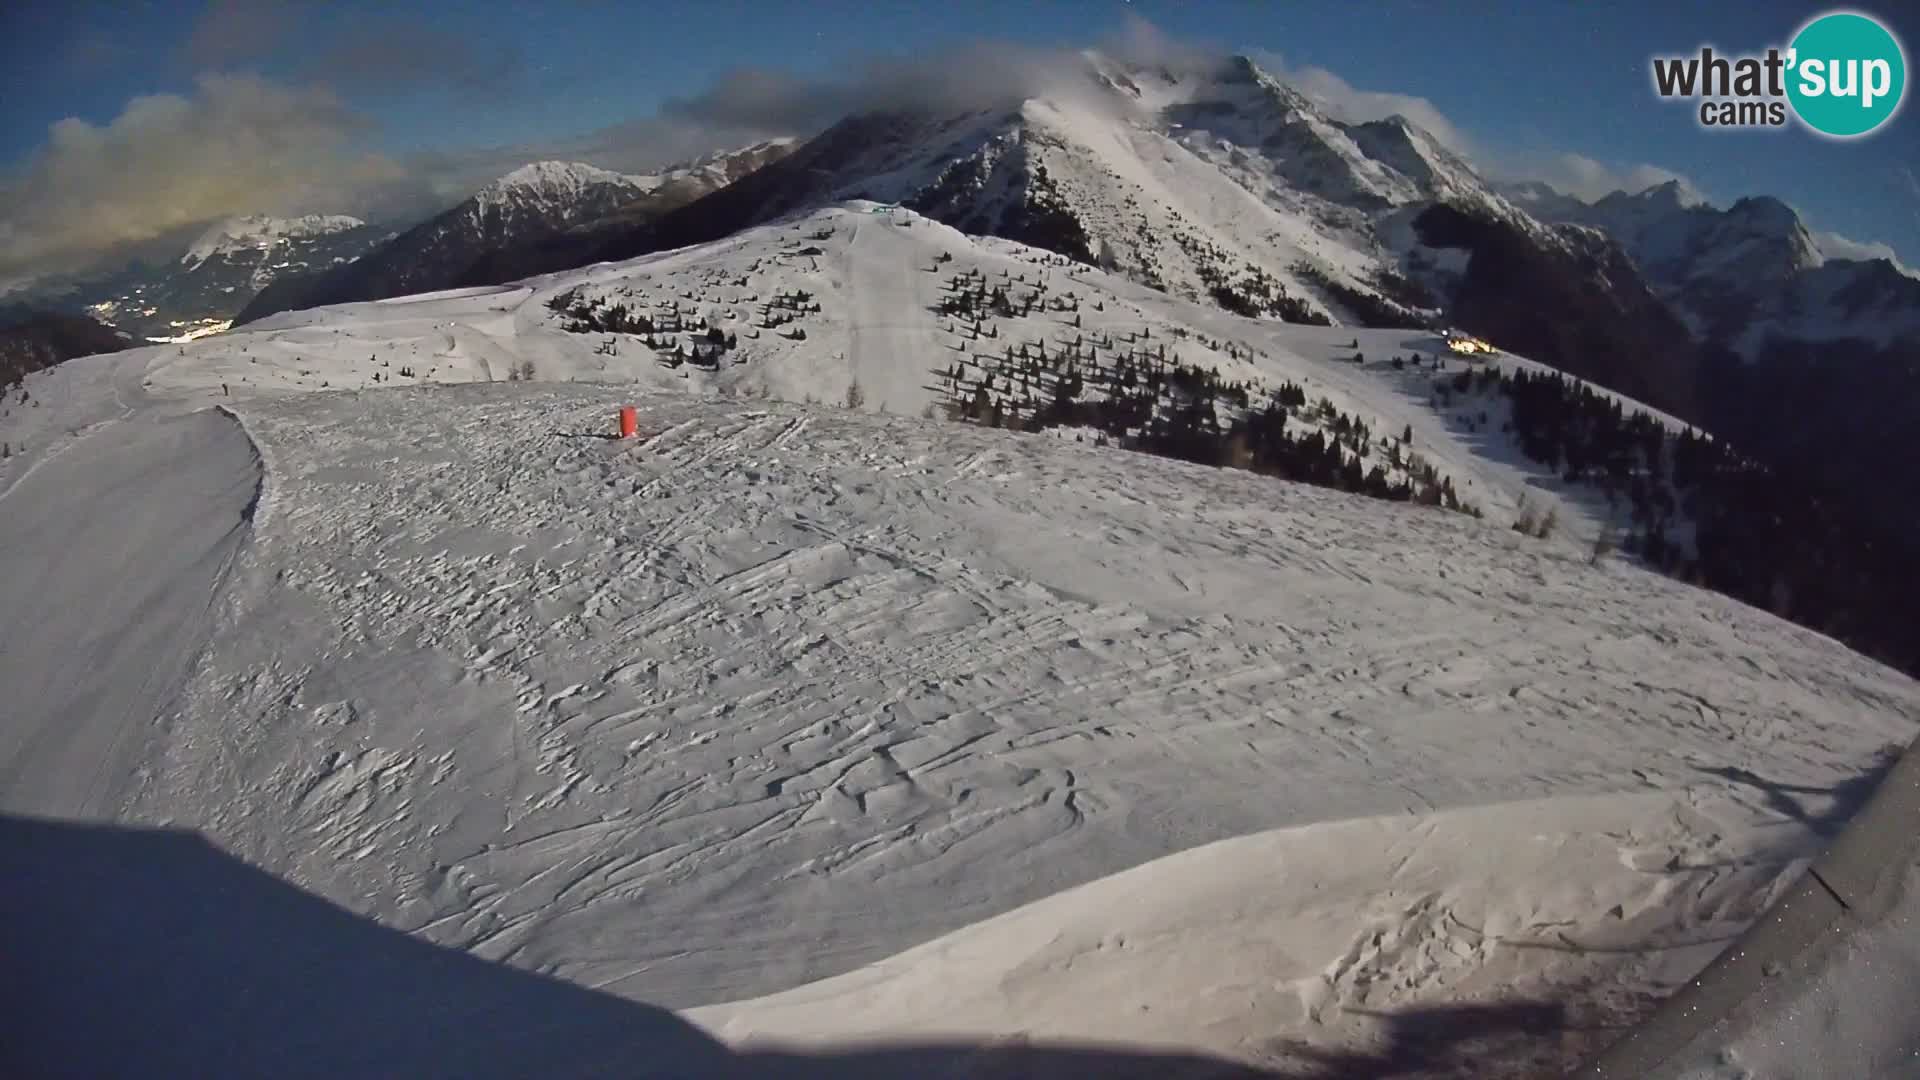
{"points": [[1847, 74]]}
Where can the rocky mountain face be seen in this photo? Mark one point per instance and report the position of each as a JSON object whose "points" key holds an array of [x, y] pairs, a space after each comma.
{"points": [[544, 216], [201, 291], [1218, 183], [1579, 305]]}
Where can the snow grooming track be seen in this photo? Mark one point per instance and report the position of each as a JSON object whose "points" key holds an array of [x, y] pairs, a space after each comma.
{"points": [[889, 295], [786, 691], [116, 549]]}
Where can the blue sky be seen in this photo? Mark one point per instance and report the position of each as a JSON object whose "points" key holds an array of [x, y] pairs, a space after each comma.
{"points": [[415, 105]]}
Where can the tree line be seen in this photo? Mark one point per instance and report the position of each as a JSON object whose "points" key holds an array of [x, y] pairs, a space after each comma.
{"points": [[1699, 509], [1139, 399]]}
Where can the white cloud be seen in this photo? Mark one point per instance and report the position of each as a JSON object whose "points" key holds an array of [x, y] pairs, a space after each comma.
{"points": [[1143, 44], [1571, 173], [1587, 178], [974, 75], [1834, 246], [1346, 102], [237, 144]]}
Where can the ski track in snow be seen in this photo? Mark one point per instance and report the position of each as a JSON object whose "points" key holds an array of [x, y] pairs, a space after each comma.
{"points": [[724, 713], [117, 530], [779, 694]]}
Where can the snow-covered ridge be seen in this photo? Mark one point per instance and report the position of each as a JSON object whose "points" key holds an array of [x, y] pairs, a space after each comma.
{"points": [[1209, 179], [562, 176], [572, 177], [722, 157], [720, 168], [259, 231], [555, 184], [1749, 271], [1666, 216], [558, 179]]}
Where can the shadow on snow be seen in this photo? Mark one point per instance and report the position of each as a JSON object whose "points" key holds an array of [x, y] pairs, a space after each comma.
{"points": [[150, 952]]}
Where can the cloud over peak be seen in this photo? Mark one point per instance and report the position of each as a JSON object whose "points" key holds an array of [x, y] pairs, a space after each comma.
{"points": [[243, 143], [237, 144], [1589, 179], [1345, 102]]}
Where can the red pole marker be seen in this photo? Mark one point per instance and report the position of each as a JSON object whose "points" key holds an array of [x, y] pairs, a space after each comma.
{"points": [[629, 421]]}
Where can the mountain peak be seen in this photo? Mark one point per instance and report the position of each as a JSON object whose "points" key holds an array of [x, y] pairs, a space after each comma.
{"points": [[541, 217], [558, 176], [1240, 68], [721, 167], [1766, 210], [256, 231], [541, 186], [780, 143], [1400, 129], [1675, 194]]}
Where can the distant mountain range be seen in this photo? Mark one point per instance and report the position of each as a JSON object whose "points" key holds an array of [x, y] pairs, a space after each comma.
{"points": [[1746, 274], [542, 216], [201, 291], [545, 216], [1812, 362]]}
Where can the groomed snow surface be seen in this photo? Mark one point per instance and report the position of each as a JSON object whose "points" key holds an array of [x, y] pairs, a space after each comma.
{"points": [[790, 740]]}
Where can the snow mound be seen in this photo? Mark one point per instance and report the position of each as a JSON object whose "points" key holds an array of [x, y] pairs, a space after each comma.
{"points": [[1412, 945]]}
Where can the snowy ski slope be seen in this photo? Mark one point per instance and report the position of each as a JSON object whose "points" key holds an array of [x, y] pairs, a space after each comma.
{"points": [[875, 279], [824, 727]]}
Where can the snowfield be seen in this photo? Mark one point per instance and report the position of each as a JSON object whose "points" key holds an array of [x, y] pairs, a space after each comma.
{"points": [[826, 728], [187, 481], [874, 278]]}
